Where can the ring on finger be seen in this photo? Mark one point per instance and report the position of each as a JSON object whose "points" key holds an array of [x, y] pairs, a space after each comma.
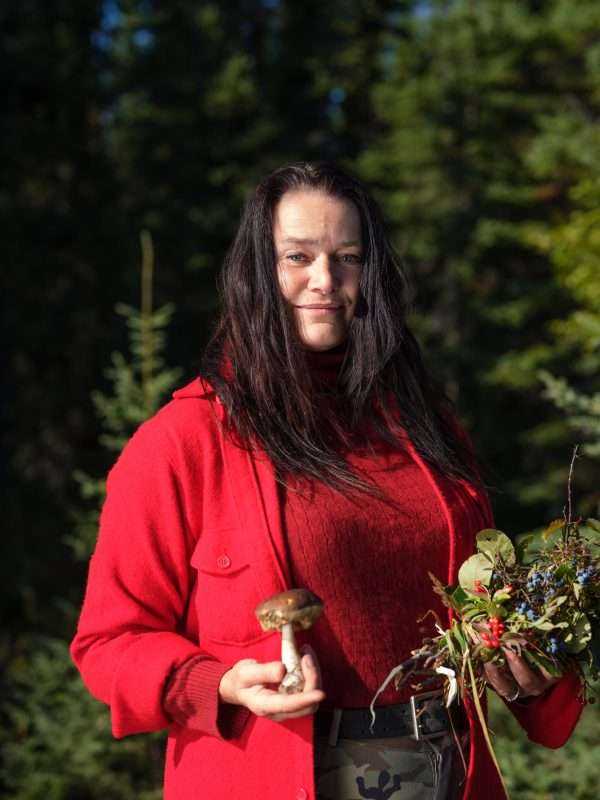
{"points": [[514, 697]]}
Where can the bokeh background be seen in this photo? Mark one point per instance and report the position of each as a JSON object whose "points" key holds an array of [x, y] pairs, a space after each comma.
{"points": [[131, 133]]}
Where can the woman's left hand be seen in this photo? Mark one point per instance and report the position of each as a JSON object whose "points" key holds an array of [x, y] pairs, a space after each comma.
{"points": [[518, 680]]}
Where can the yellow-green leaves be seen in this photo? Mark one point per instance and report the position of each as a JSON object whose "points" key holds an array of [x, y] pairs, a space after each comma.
{"points": [[475, 571], [496, 545]]}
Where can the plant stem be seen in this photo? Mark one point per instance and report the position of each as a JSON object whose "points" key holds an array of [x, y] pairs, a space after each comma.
{"points": [[484, 727], [569, 504]]}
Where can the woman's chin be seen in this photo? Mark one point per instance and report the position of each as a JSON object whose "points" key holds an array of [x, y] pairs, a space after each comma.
{"points": [[322, 345]]}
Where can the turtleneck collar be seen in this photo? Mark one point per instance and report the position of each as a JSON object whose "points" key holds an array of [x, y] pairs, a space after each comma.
{"points": [[325, 364]]}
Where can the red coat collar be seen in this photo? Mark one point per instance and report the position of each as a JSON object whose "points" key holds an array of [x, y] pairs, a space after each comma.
{"points": [[196, 388]]}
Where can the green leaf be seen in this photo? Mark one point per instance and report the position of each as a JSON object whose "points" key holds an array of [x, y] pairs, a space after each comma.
{"points": [[554, 604], [521, 547], [580, 634], [458, 598], [496, 545], [475, 568], [590, 533], [536, 659], [592, 523], [472, 613], [543, 624], [458, 635], [459, 595]]}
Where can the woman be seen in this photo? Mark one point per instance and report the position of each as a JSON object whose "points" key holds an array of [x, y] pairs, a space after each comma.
{"points": [[313, 451]]}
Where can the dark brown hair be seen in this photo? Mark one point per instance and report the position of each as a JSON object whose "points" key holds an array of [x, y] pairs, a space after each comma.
{"points": [[258, 367]]}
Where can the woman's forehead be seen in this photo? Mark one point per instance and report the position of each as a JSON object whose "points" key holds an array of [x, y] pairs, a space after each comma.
{"points": [[308, 216]]}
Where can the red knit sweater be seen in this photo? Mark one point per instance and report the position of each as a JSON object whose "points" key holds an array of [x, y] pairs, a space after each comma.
{"points": [[359, 556]]}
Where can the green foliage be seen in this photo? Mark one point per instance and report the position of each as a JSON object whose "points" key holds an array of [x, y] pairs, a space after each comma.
{"points": [[57, 742], [536, 773], [133, 398], [544, 608], [477, 123], [574, 247], [140, 381], [60, 744], [583, 411], [488, 136]]}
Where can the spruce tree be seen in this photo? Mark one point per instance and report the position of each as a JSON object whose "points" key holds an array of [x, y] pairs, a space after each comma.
{"points": [[481, 116], [56, 740]]}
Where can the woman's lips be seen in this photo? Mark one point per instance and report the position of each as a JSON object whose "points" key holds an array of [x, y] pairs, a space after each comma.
{"points": [[321, 309]]}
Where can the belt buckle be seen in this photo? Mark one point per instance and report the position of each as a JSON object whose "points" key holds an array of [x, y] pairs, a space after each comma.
{"points": [[417, 707]]}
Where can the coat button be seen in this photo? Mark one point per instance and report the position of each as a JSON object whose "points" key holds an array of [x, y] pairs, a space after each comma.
{"points": [[223, 562], [301, 794]]}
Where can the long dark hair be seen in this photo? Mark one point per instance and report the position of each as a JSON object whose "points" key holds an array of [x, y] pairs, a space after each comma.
{"points": [[258, 367]]}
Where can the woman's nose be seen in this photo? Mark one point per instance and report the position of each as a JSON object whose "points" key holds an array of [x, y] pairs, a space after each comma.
{"points": [[322, 274]]}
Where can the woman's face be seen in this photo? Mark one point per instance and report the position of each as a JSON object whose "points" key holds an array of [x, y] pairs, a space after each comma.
{"points": [[319, 262]]}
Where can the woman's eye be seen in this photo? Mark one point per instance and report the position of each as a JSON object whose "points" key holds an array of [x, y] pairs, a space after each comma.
{"points": [[351, 258], [296, 258]]}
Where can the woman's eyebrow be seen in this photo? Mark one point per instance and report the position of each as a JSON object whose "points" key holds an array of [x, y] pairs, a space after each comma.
{"points": [[296, 240]]}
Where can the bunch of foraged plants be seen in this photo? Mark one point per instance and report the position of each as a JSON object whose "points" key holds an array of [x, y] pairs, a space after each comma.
{"points": [[540, 600]]}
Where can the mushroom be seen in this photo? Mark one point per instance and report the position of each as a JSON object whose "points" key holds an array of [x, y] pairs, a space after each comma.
{"points": [[295, 609]]}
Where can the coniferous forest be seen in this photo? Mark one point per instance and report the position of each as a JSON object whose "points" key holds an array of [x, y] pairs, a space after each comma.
{"points": [[131, 133]]}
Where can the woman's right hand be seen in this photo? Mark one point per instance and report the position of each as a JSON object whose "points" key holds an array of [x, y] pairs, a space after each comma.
{"points": [[249, 683]]}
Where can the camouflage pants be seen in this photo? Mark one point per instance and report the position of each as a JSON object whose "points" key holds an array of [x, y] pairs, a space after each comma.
{"points": [[389, 769]]}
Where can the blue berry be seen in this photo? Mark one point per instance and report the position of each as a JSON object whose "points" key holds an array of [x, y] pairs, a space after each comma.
{"points": [[531, 614], [582, 576]]}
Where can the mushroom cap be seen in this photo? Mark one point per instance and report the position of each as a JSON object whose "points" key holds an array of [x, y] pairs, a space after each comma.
{"points": [[297, 606]]}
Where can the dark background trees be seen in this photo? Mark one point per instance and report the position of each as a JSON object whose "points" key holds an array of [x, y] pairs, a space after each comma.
{"points": [[477, 124]]}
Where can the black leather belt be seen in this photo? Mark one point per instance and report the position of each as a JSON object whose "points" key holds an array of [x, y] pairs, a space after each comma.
{"points": [[423, 717]]}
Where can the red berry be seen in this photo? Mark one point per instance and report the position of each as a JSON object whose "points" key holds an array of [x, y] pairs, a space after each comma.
{"points": [[490, 641]]}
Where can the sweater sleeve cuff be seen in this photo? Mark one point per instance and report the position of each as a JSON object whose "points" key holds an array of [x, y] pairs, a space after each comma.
{"points": [[191, 699]]}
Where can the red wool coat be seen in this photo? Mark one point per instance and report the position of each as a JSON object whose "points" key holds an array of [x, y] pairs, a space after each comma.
{"points": [[190, 542]]}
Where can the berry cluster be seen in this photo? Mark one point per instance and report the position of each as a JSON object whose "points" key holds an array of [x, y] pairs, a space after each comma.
{"points": [[543, 586], [584, 575], [525, 609], [492, 639], [540, 581]]}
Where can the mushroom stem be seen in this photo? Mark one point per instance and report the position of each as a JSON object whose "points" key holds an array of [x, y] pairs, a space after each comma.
{"points": [[293, 680]]}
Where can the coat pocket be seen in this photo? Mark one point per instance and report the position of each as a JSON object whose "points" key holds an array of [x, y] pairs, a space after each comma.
{"points": [[226, 591]]}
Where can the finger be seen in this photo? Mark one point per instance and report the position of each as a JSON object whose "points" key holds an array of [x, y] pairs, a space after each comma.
{"points": [[501, 680], [255, 674], [531, 681], [310, 670], [550, 679], [267, 703], [303, 713]]}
